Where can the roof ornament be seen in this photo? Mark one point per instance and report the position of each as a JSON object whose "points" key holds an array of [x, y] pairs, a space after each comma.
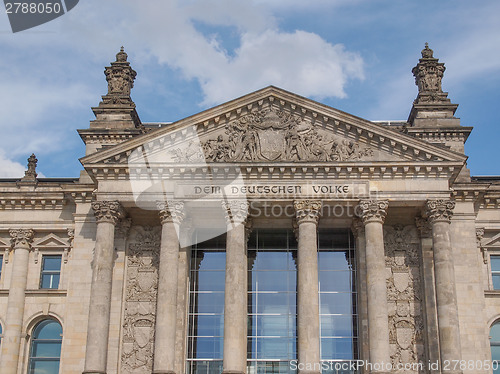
{"points": [[30, 175], [120, 77], [428, 75]]}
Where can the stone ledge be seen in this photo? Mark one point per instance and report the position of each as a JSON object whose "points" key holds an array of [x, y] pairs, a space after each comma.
{"points": [[39, 292]]}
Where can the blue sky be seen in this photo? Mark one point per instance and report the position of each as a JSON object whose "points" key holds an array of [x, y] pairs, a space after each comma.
{"points": [[355, 55]]}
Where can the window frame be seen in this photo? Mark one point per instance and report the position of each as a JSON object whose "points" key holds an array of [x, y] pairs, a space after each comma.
{"points": [[50, 272], [33, 341]]}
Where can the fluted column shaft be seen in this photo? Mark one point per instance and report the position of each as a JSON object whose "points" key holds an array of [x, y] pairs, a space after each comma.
{"points": [[373, 214], [107, 214], [439, 214], [235, 297], [11, 342], [171, 215], [307, 214]]}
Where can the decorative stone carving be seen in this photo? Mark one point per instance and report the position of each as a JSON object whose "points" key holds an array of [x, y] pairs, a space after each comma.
{"points": [[236, 211], [21, 238], [307, 210], [171, 211], [440, 210], [479, 238], [428, 76], [423, 227], [404, 294], [140, 301], [120, 76], [270, 136], [108, 211], [373, 210]]}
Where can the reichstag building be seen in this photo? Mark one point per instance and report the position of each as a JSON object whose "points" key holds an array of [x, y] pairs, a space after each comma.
{"points": [[269, 234]]}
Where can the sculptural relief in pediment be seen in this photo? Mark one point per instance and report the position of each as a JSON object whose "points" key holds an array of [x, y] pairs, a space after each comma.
{"points": [[273, 136]]}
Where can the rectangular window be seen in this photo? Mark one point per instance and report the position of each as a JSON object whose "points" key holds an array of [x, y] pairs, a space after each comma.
{"points": [[51, 272], [495, 271], [272, 301], [337, 295], [206, 306], [1, 263]]}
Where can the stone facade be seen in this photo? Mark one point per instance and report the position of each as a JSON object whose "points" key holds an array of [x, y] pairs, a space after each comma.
{"points": [[425, 232]]}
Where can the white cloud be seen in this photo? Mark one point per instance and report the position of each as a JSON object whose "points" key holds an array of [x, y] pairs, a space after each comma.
{"points": [[9, 168], [299, 60]]}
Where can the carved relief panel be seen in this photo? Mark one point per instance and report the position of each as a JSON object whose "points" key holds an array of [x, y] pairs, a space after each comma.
{"points": [[270, 135], [404, 294], [140, 300]]}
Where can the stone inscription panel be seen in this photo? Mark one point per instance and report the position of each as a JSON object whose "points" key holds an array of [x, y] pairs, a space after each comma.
{"points": [[238, 189]]}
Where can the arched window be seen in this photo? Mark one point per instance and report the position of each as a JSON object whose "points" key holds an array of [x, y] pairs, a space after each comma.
{"points": [[45, 352], [495, 347]]}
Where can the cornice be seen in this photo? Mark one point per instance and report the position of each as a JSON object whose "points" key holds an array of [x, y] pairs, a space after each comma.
{"points": [[354, 170], [440, 134]]}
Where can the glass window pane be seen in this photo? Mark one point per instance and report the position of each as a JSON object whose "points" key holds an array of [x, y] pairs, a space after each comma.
{"points": [[495, 263], [337, 325], [339, 281], [333, 260], [337, 348], [274, 325], [52, 263], [272, 348], [44, 367], [48, 329], [207, 325], [496, 281], [273, 303], [50, 281], [271, 260], [212, 302], [272, 280], [46, 349], [336, 303], [210, 281], [208, 347]]}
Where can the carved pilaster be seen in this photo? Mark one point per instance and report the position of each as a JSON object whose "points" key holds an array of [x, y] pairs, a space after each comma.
{"points": [[108, 211], [307, 211], [21, 238], [373, 210], [171, 211], [440, 210], [423, 226], [236, 211]]}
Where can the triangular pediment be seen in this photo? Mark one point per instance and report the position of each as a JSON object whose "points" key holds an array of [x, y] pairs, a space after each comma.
{"points": [[273, 126], [50, 241]]}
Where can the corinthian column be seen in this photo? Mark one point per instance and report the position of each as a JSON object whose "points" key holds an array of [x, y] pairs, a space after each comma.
{"points": [[171, 216], [107, 214], [307, 215], [235, 296], [11, 342], [373, 214], [439, 213]]}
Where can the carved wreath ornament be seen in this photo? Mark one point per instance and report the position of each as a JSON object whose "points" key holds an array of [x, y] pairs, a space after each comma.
{"points": [[271, 136]]}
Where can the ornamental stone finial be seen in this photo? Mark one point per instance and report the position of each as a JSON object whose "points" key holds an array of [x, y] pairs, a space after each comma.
{"points": [[171, 211], [373, 210], [21, 238], [307, 211], [428, 75], [120, 76], [440, 210], [108, 211], [30, 174], [236, 211]]}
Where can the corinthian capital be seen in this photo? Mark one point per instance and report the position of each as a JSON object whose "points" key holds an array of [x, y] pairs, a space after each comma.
{"points": [[21, 238], [236, 211], [373, 210], [307, 210], [440, 210], [108, 211], [171, 211]]}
